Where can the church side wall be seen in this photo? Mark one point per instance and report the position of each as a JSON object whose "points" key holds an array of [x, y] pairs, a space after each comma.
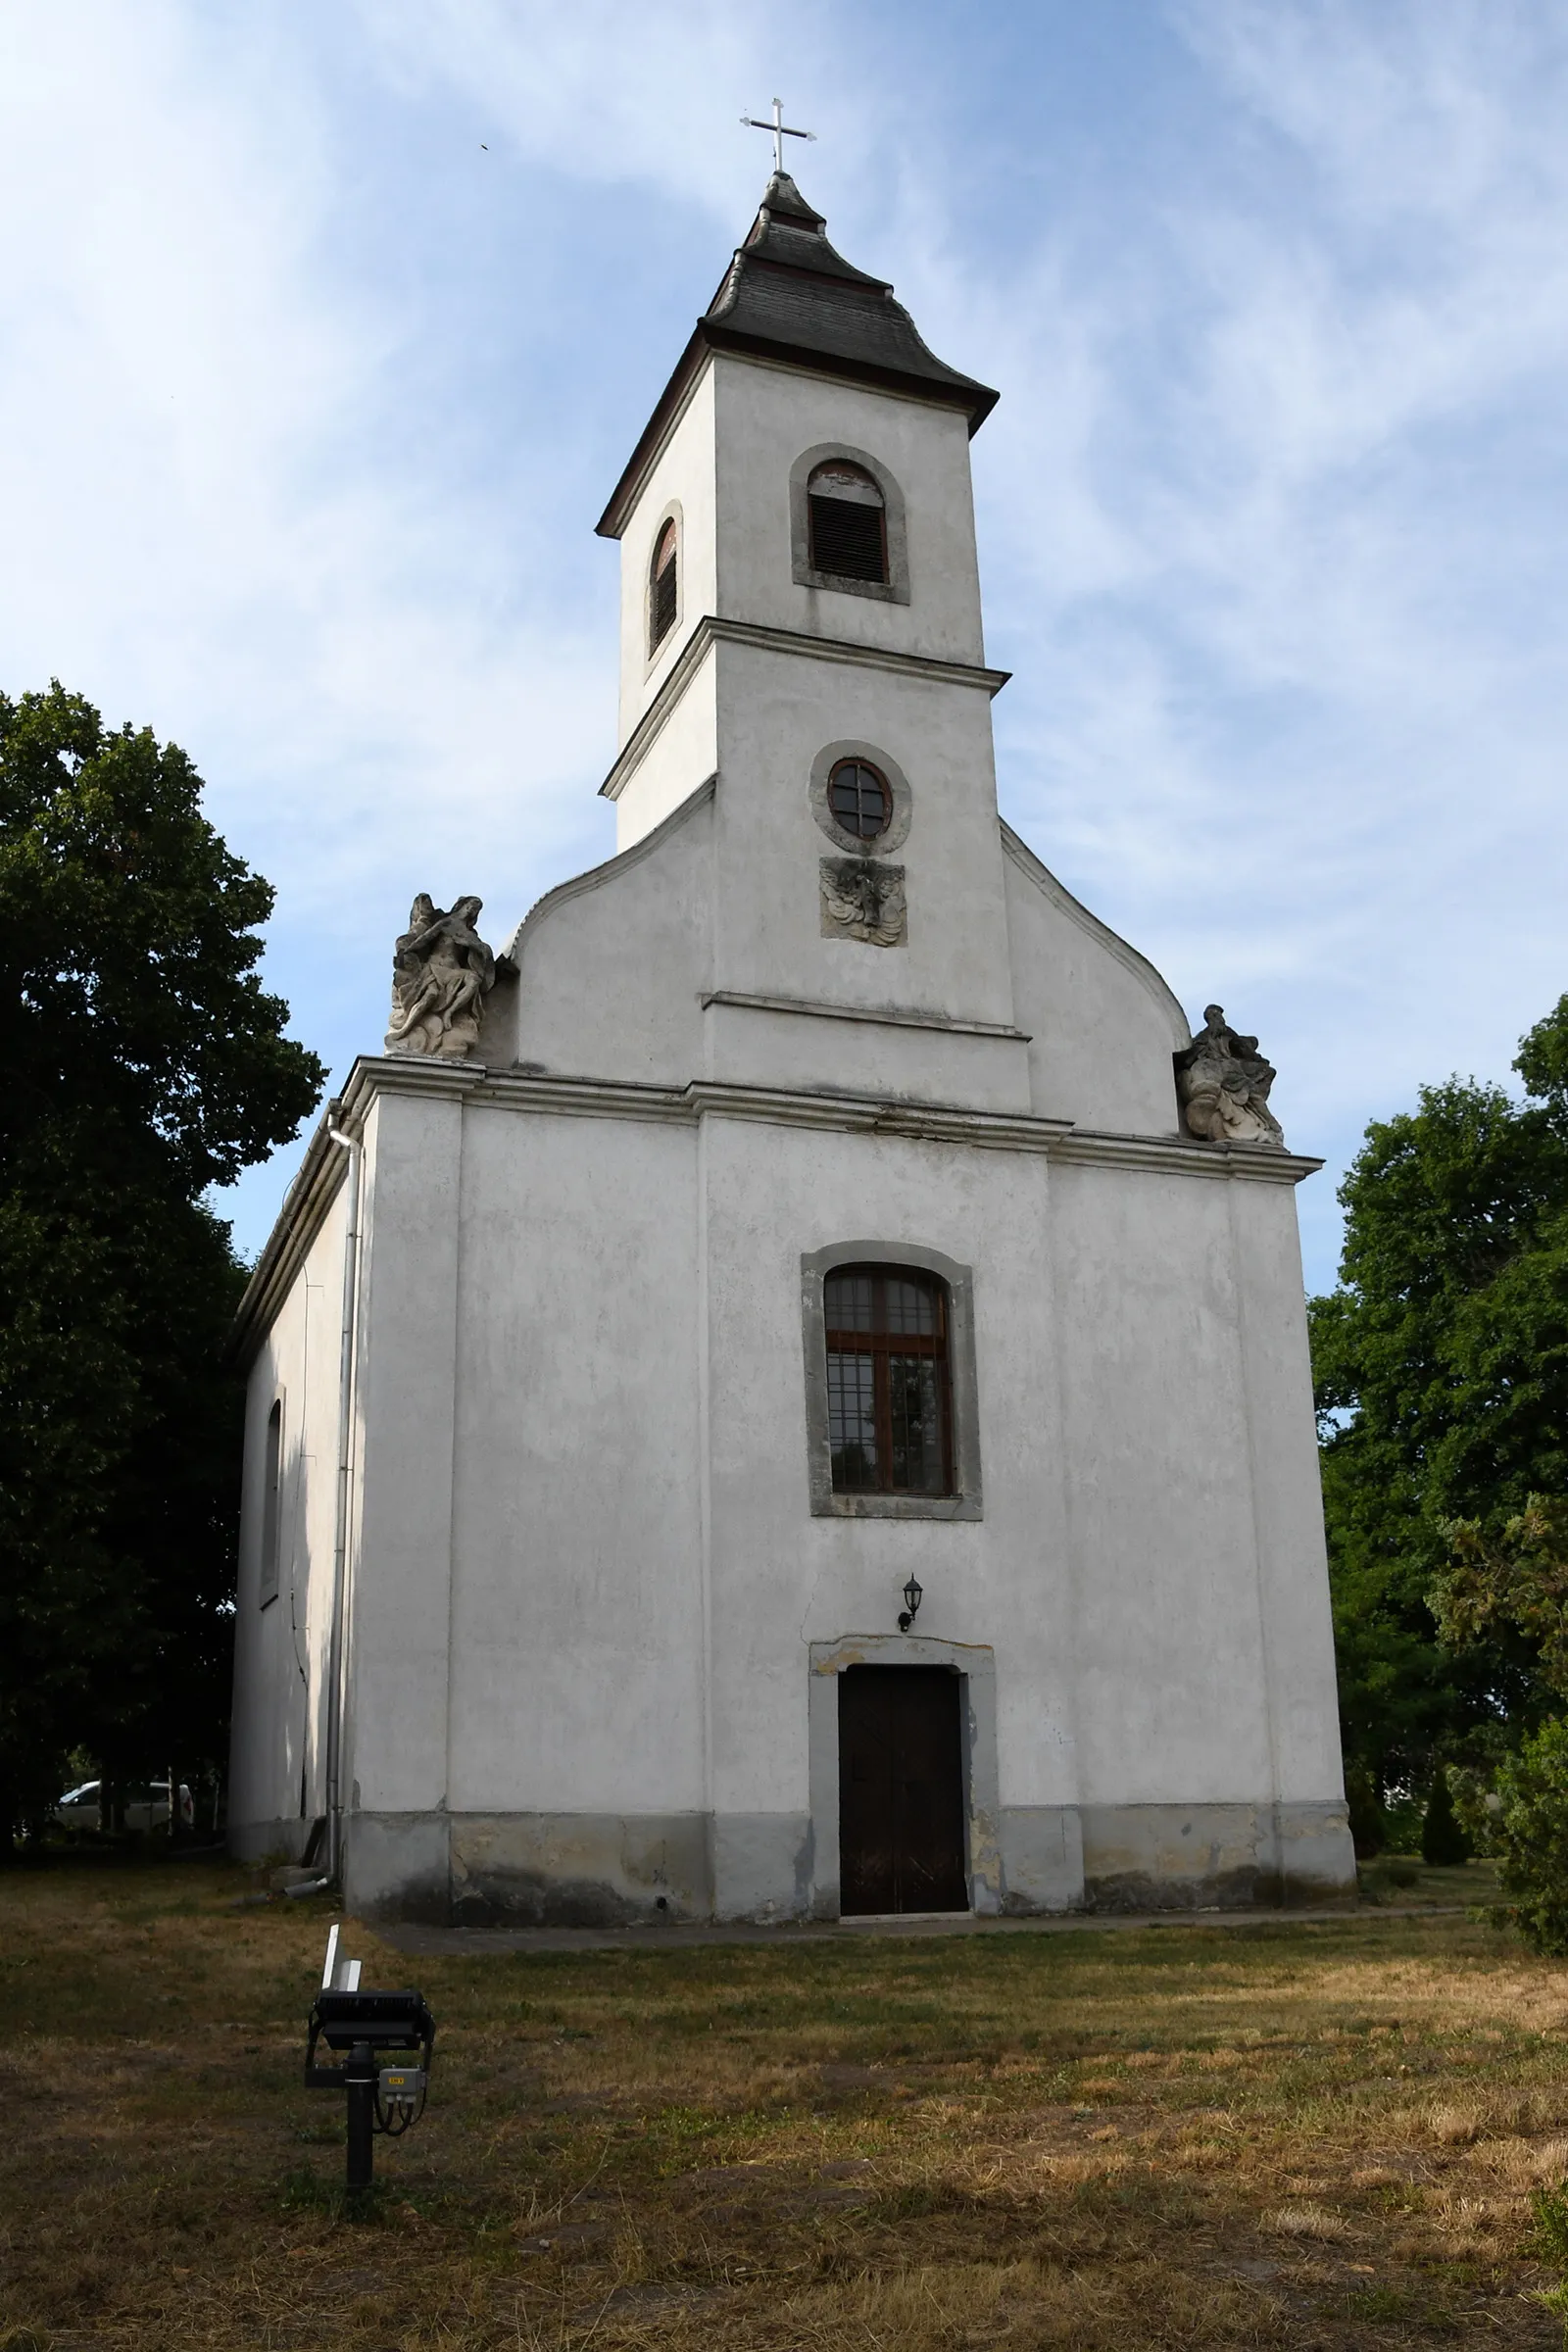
{"points": [[1294, 1599], [281, 1651], [577, 1775], [1209, 1729], [397, 1605]]}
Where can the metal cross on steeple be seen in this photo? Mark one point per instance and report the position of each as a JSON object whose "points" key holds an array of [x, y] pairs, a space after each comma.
{"points": [[780, 130]]}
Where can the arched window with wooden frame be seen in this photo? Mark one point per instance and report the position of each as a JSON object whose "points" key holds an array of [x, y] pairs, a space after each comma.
{"points": [[663, 586], [860, 799], [846, 522], [888, 1404]]}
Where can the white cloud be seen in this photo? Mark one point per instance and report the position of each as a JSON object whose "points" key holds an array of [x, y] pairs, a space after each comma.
{"points": [[1293, 717], [307, 404], [602, 91]]}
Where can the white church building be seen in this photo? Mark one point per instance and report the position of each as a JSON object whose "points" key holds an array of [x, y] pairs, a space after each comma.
{"points": [[785, 1393]]}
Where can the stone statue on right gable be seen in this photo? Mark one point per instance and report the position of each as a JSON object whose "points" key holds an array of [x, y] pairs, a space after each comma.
{"points": [[1222, 1084]]}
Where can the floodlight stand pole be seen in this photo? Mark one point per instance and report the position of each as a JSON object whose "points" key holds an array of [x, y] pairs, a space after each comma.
{"points": [[359, 2079], [345, 1437]]}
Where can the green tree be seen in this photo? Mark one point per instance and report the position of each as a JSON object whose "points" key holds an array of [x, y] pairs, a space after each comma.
{"points": [[1517, 1579], [1442, 1838], [143, 1064], [1533, 1838], [1441, 1369]]}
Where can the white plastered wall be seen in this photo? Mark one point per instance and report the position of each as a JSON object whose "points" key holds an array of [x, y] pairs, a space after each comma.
{"points": [[398, 1601], [783, 1579], [682, 481], [764, 419], [630, 1495], [682, 754], [280, 1651], [727, 468], [1102, 1025], [775, 714], [611, 967], [577, 1590]]}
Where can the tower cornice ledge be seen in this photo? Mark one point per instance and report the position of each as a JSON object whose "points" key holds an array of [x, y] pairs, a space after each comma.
{"points": [[711, 630], [974, 400]]}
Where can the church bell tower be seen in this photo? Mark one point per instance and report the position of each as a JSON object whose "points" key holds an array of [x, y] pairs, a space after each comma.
{"points": [[800, 623]]}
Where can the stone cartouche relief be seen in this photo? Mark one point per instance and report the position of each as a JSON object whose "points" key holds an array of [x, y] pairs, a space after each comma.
{"points": [[864, 900], [441, 973], [1222, 1084]]}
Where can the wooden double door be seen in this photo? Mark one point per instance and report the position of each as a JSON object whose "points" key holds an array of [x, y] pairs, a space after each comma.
{"points": [[901, 1826]]}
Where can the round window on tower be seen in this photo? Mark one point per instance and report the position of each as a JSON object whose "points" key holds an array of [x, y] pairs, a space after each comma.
{"points": [[859, 800]]}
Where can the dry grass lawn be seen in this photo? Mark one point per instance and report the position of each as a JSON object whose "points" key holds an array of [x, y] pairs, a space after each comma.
{"points": [[1306, 2135]]}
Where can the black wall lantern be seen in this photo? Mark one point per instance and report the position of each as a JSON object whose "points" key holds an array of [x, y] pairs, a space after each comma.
{"points": [[913, 1595]]}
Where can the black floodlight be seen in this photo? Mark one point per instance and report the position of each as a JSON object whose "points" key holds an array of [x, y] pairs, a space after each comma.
{"points": [[388, 2021], [370, 2027]]}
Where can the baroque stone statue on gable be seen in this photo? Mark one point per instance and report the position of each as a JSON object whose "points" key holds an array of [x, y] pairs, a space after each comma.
{"points": [[1222, 1084], [441, 973]]}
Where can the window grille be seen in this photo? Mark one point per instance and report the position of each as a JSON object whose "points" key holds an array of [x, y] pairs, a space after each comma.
{"points": [[846, 522], [662, 601], [859, 797], [889, 1415]]}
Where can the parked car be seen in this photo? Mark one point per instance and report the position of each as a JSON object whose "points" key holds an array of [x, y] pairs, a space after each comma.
{"points": [[146, 1804]]}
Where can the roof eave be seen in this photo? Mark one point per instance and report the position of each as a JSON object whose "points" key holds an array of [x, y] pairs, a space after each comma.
{"points": [[709, 335], [612, 521], [300, 1219]]}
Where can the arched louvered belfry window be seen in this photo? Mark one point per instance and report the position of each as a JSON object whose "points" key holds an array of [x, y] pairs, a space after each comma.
{"points": [[847, 521], [663, 586], [890, 1429]]}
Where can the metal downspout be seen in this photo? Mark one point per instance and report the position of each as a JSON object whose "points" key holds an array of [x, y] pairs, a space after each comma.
{"points": [[340, 1542]]}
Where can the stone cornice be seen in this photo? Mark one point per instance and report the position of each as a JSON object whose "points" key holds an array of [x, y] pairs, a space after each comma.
{"points": [[708, 339], [320, 1173], [311, 1195], [621, 862], [300, 1219], [1185, 1156], [880, 1017], [711, 630]]}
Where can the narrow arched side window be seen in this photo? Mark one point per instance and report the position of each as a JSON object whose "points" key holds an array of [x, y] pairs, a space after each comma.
{"points": [[272, 1499], [846, 522], [664, 586], [890, 1422]]}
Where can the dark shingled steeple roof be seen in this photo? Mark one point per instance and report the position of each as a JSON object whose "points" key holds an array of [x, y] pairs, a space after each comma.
{"points": [[788, 296]]}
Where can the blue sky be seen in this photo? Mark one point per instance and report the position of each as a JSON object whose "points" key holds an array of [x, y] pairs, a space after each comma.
{"points": [[326, 329]]}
